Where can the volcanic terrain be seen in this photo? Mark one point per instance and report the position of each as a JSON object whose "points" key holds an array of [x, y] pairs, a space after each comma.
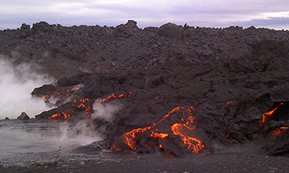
{"points": [[181, 92]]}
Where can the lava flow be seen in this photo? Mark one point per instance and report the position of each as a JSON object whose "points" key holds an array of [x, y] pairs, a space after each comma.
{"points": [[84, 104], [191, 142], [78, 105], [270, 113], [62, 94], [279, 130], [113, 96], [63, 115], [184, 129]]}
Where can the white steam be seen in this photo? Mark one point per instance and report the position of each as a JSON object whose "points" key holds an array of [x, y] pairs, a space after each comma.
{"points": [[16, 85], [83, 132], [104, 111], [80, 134], [46, 136]]}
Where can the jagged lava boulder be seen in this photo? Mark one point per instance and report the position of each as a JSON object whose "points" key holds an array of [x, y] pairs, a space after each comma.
{"points": [[23, 116]]}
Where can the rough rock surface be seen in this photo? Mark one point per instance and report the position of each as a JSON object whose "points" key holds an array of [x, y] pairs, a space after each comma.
{"points": [[65, 51], [229, 97], [229, 76], [23, 116]]}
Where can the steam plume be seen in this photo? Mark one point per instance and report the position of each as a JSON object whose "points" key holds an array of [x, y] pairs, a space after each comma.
{"points": [[16, 85], [104, 111]]}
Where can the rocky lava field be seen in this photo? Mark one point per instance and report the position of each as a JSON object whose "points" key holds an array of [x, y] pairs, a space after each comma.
{"points": [[181, 89]]}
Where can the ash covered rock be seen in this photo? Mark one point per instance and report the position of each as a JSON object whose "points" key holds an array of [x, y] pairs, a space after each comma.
{"points": [[23, 116]]}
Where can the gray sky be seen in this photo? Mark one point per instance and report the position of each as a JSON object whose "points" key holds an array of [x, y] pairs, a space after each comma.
{"points": [[214, 13]]}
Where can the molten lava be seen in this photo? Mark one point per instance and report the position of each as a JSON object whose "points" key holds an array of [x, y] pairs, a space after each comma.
{"points": [[54, 116], [159, 135], [278, 130], [84, 104], [62, 94], [78, 104], [184, 129], [270, 113], [62, 115], [113, 96]]}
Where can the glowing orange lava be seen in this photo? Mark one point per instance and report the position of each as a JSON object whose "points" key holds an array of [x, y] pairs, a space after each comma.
{"points": [[62, 115], [270, 113], [159, 135], [182, 129], [113, 96], [84, 104], [279, 130], [62, 94], [53, 116], [193, 143]]}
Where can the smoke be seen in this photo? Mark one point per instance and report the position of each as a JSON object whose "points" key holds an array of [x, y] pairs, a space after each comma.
{"points": [[16, 85]]}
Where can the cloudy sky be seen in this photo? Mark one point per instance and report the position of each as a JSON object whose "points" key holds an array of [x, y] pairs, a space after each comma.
{"points": [[214, 13]]}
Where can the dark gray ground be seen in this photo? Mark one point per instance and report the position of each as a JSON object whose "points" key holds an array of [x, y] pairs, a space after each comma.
{"points": [[223, 162], [45, 157]]}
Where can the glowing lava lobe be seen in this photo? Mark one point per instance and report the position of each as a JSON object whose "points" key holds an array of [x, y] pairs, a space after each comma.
{"points": [[83, 104], [184, 129], [278, 130], [113, 96], [54, 116], [62, 115], [129, 137], [62, 95], [270, 113], [193, 143]]}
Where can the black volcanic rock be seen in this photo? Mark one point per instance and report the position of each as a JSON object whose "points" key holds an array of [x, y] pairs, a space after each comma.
{"points": [[25, 26], [66, 51], [44, 90], [41, 26], [23, 116], [170, 30], [126, 30]]}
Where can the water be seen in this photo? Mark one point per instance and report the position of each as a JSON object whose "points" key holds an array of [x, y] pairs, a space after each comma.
{"points": [[27, 142]]}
